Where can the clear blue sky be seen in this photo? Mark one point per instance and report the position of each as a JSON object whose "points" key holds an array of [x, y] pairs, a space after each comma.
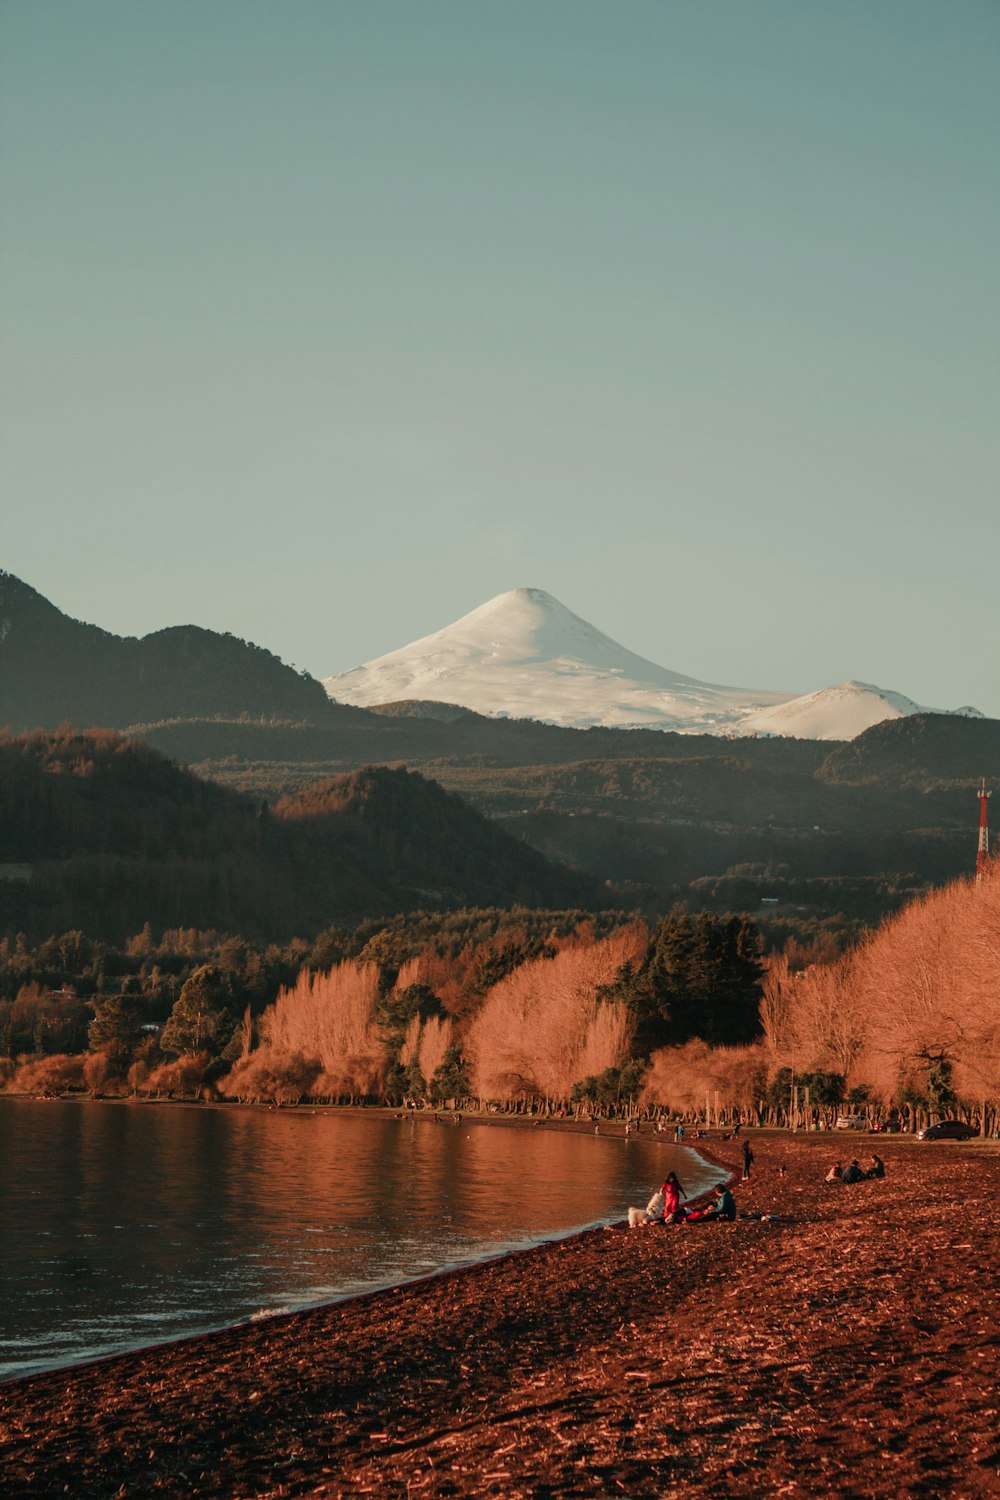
{"points": [[324, 322]]}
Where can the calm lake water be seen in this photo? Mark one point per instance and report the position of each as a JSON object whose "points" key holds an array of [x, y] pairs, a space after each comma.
{"points": [[128, 1224]]}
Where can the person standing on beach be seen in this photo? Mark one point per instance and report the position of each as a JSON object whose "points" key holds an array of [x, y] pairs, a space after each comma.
{"points": [[672, 1195], [747, 1160]]}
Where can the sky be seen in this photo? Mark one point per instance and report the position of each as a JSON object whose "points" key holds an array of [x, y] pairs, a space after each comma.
{"points": [[322, 323]]}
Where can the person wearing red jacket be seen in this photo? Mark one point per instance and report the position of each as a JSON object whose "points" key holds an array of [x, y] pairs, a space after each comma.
{"points": [[672, 1192]]}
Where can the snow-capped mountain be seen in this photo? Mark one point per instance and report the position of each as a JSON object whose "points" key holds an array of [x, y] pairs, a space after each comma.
{"points": [[836, 713], [525, 655]]}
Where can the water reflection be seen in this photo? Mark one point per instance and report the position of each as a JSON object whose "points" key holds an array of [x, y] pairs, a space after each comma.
{"points": [[126, 1224]]}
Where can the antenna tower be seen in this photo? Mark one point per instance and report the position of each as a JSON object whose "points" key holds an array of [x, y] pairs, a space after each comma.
{"points": [[982, 858]]}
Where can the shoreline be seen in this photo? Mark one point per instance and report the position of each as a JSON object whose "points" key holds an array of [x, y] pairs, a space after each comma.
{"points": [[611, 1128], [489, 1255], [848, 1346]]}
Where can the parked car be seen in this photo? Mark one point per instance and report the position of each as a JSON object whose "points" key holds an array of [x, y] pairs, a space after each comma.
{"points": [[947, 1130], [852, 1122], [888, 1127]]}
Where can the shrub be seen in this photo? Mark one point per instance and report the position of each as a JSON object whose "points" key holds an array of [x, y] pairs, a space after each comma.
{"points": [[182, 1076], [283, 1077], [47, 1076]]}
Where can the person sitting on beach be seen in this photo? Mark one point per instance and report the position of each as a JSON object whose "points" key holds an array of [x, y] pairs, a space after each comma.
{"points": [[835, 1173], [723, 1208], [877, 1168], [853, 1173]]}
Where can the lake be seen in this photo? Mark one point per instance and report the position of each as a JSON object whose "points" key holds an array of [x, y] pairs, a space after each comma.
{"points": [[124, 1224]]}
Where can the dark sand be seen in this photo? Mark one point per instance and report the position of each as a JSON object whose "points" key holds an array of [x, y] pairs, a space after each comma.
{"points": [[851, 1348]]}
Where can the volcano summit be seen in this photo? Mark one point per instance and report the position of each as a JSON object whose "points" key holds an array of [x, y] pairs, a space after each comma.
{"points": [[525, 655]]}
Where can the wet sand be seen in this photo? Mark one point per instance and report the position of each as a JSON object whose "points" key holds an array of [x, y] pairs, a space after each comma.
{"points": [[850, 1347]]}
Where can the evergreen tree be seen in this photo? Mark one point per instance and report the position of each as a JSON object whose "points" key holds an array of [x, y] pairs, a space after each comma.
{"points": [[699, 978], [202, 1018], [115, 1027], [451, 1081]]}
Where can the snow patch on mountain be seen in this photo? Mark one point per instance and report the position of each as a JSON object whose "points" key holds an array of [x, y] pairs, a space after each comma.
{"points": [[836, 713]]}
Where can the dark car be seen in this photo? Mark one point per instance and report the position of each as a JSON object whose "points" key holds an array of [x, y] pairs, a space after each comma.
{"points": [[947, 1130], [888, 1127]]}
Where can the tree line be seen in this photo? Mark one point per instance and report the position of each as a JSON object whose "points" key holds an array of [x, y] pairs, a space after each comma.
{"points": [[517, 1006], [531, 1010]]}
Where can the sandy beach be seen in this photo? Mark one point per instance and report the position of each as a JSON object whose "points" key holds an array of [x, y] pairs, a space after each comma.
{"points": [[850, 1346]]}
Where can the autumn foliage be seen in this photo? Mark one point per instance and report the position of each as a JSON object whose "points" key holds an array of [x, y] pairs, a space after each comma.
{"points": [[544, 1028], [319, 1037], [912, 1015]]}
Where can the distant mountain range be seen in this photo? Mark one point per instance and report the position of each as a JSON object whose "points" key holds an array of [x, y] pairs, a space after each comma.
{"points": [[837, 835], [522, 655], [525, 655], [56, 670]]}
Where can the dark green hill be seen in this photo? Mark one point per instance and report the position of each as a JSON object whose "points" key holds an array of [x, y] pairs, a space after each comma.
{"points": [[55, 670], [113, 836], [923, 749]]}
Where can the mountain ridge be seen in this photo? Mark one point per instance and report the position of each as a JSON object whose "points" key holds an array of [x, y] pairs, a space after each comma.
{"points": [[522, 655], [56, 670]]}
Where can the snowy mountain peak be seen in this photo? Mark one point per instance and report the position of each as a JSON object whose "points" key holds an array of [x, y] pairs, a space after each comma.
{"points": [[530, 625], [523, 654]]}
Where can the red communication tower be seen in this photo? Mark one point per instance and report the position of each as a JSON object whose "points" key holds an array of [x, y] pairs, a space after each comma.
{"points": [[982, 858]]}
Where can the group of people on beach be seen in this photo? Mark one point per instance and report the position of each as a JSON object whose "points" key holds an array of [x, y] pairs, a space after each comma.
{"points": [[855, 1172], [665, 1206]]}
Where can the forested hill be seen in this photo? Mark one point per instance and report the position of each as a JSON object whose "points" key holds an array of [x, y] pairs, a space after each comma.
{"points": [[925, 751], [55, 670], [455, 736], [813, 836], [102, 833]]}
